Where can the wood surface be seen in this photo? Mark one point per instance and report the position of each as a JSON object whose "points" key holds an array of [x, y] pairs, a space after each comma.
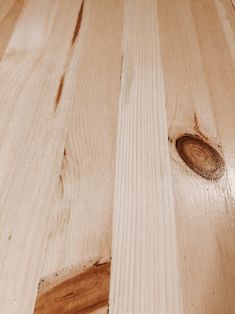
{"points": [[117, 156]]}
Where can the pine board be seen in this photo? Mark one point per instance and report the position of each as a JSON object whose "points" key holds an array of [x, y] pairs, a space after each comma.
{"points": [[117, 158]]}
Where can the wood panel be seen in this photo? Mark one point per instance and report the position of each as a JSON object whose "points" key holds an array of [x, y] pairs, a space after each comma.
{"points": [[126, 107]]}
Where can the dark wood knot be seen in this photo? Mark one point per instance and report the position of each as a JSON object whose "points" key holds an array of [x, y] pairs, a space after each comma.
{"points": [[201, 157]]}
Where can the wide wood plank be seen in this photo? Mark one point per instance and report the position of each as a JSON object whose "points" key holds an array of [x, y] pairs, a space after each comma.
{"points": [[30, 139], [199, 74], [81, 220]]}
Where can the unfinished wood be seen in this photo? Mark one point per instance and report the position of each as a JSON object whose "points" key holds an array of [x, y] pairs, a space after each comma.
{"points": [[144, 277], [126, 106]]}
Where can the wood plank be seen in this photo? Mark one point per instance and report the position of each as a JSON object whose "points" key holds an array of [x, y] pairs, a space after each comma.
{"points": [[80, 233], [31, 137], [199, 80], [84, 193], [144, 277]]}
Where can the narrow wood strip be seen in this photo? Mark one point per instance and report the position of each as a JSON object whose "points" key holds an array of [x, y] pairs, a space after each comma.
{"points": [[144, 276]]}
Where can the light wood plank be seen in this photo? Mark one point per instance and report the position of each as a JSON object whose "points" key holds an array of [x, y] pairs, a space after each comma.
{"points": [[81, 219], [31, 136], [144, 276]]}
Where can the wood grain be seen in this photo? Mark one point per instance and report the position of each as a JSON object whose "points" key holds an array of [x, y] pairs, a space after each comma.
{"points": [[117, 150]]}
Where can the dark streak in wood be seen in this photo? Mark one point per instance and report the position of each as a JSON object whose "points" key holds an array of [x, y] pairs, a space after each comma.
{"points": [[78, 24], [61, 175], [170, 139], [65, 153], [75, 34], [64, 160], [59, 91], [82, 293], [201, 157], [61, 184]]}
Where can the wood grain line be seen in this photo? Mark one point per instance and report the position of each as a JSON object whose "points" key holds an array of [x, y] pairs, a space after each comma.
{"points": [[233, 4], [8, 23]]}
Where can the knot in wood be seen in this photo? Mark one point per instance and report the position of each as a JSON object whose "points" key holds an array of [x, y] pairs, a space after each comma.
{"points": [[201, 157]]}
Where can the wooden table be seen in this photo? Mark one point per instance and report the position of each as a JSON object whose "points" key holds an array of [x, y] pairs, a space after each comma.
{"points": [[117, 143]]}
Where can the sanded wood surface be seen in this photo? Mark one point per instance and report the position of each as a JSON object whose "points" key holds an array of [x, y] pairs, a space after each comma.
{"points": [[117, 156]]}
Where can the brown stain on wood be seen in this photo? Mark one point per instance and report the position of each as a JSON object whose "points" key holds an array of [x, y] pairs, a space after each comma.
{"points": [[82, 293], [7, 25], [201, 157], [78, 24]]}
